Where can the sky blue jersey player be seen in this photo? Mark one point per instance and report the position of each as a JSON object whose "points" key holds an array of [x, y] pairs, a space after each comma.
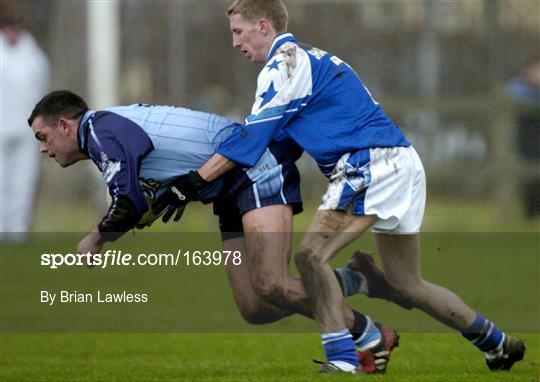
{"points": [[140, 149]]}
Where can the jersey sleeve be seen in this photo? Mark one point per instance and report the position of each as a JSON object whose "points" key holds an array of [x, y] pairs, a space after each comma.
{"points": [[283, 88], [118, 146]]}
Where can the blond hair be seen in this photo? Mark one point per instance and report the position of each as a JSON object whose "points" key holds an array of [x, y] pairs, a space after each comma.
{"points": [[272, 10]]}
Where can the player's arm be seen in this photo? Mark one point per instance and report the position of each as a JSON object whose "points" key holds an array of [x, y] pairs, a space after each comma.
{"points": [[285, 85], [188, 187], [120, 218], [216, 166], [119, 161], [91, 243]]}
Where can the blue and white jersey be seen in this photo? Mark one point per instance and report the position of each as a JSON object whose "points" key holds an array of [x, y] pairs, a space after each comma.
{"points": [[140, 149], [319, 101]]}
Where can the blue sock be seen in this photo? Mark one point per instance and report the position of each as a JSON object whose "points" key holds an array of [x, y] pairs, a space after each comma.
{"points": [[484, 335], [370, 337], [339, 346]]}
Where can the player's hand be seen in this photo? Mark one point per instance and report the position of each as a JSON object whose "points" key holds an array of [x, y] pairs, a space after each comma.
{"points": [[91, 244], [181, 191]]}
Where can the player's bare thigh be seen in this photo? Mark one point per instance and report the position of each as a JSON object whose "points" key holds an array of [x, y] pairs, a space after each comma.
{"points": [[331, 230], [268, 234], [239, 274], [252, 308]]}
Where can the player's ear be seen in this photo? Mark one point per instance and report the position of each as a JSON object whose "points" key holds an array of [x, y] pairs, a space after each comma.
{"points": [[265, 27], [63, 125]]}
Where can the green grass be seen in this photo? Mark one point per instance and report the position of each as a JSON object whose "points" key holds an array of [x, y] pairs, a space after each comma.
{"points": [[236, 357], [197, 299], [495, 271]]}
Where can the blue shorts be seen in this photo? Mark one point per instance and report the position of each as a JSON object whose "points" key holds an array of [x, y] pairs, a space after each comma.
{"points": [[274, 180]]}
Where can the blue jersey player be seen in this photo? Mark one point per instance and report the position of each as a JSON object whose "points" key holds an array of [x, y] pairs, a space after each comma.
{"points": [[142, 150], [376, 180]]}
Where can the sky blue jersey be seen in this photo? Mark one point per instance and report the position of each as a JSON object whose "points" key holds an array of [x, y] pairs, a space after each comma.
{"points": [[140, 149], [318, 100]]}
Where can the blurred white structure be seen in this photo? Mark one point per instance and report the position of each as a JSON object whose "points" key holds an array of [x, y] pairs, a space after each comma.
{"points": [[103, 53], [24, 79]]}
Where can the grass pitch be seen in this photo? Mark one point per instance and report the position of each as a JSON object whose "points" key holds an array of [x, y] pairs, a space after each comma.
{"points": [[237, 357], [497, 273]]}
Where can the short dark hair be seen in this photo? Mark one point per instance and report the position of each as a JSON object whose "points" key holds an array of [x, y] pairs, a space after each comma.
{"points": [[59, 103]]}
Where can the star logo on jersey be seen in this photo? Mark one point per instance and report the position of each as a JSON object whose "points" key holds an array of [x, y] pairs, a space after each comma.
{"points": [[268, 95], [274, 65]]}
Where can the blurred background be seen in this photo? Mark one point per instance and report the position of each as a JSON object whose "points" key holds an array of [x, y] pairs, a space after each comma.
{"points": [[448, 72]]}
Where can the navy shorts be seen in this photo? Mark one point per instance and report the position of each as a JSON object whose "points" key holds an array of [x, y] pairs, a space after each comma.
{"points": [[274, 180]]}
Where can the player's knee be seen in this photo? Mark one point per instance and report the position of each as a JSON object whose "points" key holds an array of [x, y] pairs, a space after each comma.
{"points": [[255, 318], [271, 292], [409, 296], [409, 291], [269, 286], [305, 259], [256, 315]]}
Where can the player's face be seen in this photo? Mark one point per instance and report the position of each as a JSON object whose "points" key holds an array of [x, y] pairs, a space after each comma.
{"points": [[249, 38], [57, 141]]}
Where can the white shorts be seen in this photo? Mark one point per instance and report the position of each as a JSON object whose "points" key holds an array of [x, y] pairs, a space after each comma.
{"points": [[389, 183]]}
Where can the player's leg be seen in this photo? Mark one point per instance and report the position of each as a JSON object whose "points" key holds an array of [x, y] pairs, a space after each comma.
{"points": [[267, 196], [398, 241], [331, 229], [264, 291], [268, 237], [267, 309], [329, 232], [400, 255], [250, 288], [377, 285], [252, 308], [268, 234], [262, 287], [350, 185], [399, 247]]}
